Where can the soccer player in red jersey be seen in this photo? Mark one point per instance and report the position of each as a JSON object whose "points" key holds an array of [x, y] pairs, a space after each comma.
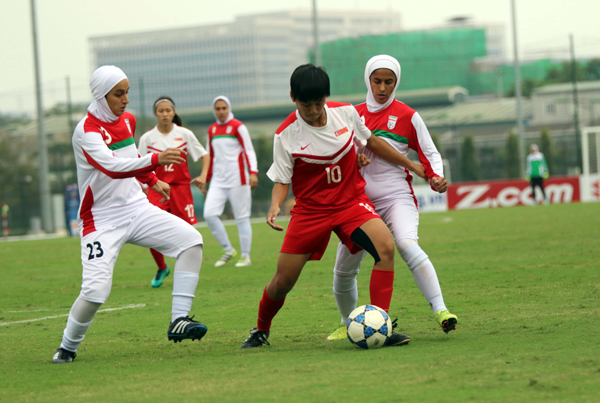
{"points": [[314, 152], [168, 133], [390, 190]]}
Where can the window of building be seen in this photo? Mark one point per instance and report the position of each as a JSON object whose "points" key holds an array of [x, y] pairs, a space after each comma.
{"points": [[550, 108]]}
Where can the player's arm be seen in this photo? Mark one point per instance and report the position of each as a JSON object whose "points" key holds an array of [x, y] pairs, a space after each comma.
{"points": [[100, 157], [278, 196], [200, 181], [250, 155], [429, 156], [387, 152]]}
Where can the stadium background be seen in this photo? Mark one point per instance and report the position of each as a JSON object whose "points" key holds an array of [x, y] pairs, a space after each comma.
{"points": [[457, 76]]}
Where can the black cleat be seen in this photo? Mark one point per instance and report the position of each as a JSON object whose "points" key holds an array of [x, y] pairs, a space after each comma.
{"points": [[62, 356], [396, 339], [256, 339], [186, 328]]}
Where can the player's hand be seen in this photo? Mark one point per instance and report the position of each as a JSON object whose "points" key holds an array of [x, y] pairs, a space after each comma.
{"points": [[362, 160], [419, 170], [440, 184], [546, 175], [171, 156], [200, 183], [272, 216], [253, 181], [163, 189]]}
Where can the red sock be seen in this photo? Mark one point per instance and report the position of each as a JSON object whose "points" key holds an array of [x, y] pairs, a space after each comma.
{"points": [[381, 288], [267, 310], [159, 259]]}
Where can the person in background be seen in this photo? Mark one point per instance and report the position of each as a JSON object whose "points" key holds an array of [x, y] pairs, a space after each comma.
{"points": [[168, 133], [390, 189], [537, 171], [5, 228], [232, 175]]}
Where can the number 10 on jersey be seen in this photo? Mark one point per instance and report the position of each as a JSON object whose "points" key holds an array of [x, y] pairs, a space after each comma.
{"points": [[334, 174]]}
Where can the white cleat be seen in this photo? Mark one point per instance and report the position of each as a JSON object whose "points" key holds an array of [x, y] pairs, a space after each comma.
{"points": [[244, 261], [226, 258]]}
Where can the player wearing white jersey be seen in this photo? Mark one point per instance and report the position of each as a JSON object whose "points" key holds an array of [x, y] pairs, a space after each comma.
{"points": [[115, 211], [168, 133], [390, 190], [313, 151], [232, 174]]}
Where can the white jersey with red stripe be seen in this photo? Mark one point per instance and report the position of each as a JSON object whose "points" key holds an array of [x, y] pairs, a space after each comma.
{"points": [[108, 165], [154, 141], [402, 128], [320, 162], [232, 156]]}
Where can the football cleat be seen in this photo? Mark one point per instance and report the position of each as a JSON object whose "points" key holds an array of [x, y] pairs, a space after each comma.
{"points": [[339, 333], [160, 276], [244, 261], [446, 320], [256, 339], [62, 356], [186, 328], [396, 339], [226, 258]]}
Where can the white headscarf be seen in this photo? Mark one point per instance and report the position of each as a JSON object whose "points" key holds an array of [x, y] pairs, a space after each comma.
{"points": [[230, 116], [380, 62], [103, 80]]}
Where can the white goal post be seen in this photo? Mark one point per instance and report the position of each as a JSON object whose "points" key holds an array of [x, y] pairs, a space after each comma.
{"points": [[590, 162]]}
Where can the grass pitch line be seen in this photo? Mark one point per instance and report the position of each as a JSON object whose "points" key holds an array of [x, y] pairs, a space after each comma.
{"points": [[65, 315]]}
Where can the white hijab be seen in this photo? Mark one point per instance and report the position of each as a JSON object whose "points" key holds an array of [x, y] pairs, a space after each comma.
{"points": [[103, 80], [230, 116], [380, 62]]}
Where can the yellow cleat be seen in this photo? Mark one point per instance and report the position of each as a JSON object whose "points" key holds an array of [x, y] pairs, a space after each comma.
{"points": [[446, 320], [339, 333]]}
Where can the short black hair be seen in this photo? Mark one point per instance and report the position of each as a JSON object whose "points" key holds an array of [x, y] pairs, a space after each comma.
{"points": [[309, 83]]}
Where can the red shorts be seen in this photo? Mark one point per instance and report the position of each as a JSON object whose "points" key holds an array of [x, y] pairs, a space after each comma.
{"points": [[309, 230], [181, 203]]}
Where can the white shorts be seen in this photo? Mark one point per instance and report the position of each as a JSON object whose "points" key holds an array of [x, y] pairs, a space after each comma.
{"points": [[402, 218], [239, 196], [151, 227]]}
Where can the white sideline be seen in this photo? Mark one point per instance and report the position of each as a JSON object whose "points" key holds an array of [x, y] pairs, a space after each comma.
{"points": [[62, 316]]}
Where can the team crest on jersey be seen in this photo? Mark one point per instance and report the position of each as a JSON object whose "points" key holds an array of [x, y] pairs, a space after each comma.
{"points": [[128, 126], [214, 129], [229, 129], [362, 120], [392, 122], [105, 135]]}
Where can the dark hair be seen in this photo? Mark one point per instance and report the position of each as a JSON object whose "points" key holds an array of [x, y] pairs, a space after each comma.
{"points": [[309, 83], [176, 118]]}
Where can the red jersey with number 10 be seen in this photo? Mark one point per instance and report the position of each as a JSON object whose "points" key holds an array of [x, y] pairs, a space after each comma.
{"points": [[320, 162]]}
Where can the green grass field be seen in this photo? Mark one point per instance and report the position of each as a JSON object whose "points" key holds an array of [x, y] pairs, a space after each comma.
{"points": [[524, 282]]}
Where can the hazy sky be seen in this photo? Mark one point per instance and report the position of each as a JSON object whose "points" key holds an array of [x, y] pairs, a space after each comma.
{"points": [[64, 27]]}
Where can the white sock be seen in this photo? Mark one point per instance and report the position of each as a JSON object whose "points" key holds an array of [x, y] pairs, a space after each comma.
{"points": [[427, 280], [185, 281], [346, 294], [245, 232], [218, 230], [74, 334]]}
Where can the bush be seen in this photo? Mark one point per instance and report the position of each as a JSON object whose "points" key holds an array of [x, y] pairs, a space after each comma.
{"points": [[469, 168], [511, 159]]}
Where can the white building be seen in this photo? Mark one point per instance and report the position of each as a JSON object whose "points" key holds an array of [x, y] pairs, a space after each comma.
{"points": [[553, 104], [249, 60]]}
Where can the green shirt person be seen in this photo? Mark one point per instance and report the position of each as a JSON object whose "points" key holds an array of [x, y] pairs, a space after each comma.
{"points": [[537, 171]]}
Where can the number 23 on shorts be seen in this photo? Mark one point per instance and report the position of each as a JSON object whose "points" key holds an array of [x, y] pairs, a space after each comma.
{"points": [[95, 250]]}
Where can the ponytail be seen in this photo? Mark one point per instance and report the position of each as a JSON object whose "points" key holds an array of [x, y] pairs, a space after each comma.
{"points": [[177, 120]]}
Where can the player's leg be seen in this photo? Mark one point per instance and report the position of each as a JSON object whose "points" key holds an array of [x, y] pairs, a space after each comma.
{"points": [[175, 238], [99, 251], [289, 267], [402, 217], [213, 208], [345, 290], [163, 270], [240, 198]]}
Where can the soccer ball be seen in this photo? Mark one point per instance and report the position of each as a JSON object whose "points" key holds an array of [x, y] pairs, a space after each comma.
{"points": [[368, 326]]}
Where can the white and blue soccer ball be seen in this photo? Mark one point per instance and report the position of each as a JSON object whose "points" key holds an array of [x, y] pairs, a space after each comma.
{"points": [[368, 326]]}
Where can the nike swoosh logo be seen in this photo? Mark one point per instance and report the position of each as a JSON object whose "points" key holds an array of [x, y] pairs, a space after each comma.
{"points": [[302, 148]]}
